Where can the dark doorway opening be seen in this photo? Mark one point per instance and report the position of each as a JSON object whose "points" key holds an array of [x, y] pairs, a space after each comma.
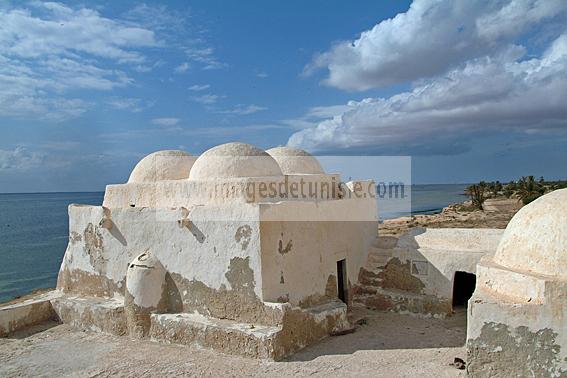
{"points": [[342, 280], [463, 288]]}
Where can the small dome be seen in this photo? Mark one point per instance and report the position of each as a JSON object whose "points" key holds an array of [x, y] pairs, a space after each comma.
{"points": [[294, 161], [234, 160], [536, 237], [163, 165]]}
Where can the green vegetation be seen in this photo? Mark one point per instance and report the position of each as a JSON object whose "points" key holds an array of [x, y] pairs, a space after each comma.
{"points": [[529, 189], [477, 192], [526, 189]]}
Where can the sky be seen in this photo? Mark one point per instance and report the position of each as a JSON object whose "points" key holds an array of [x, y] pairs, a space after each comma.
{"points": [[470, 90]]}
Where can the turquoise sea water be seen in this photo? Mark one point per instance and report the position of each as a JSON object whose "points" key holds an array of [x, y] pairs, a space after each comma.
{"points": [[34, 232]]}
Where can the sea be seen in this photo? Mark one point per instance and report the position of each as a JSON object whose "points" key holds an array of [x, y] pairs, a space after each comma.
{"points": [[34, 231]]}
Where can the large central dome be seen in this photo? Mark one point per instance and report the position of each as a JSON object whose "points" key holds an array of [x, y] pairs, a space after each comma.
{"points": [[234, 160], [536, 237]]}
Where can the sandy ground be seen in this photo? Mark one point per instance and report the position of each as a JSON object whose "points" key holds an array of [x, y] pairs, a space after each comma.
{"points": [[388, 345]]}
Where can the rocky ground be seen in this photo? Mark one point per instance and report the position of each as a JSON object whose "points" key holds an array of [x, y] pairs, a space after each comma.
{"points": [[388, 345], [497, 213]]}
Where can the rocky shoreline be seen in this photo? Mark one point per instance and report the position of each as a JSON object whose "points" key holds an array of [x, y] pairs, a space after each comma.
{"points": [[496, 214]]}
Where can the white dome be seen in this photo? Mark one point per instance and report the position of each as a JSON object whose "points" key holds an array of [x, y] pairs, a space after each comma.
{"points": [[234, 160], [536, 237], [293, 161], [163, 165]]}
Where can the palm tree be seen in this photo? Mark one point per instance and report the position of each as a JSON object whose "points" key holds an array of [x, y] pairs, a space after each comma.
{"points": [[510, 189], [477, 194], [529, 189]]}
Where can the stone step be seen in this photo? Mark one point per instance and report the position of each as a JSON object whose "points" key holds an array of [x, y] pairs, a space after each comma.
{"points": [[300, 326], [227, 336], [92, 313]]}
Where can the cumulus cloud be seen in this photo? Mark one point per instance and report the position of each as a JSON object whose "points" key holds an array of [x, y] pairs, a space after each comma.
{"points": [[432, 37], [165, 121], [63, 30], [505, 92], [48, 49]]}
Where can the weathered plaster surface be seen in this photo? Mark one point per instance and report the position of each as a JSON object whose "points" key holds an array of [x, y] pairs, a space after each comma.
{"points": [[500, 351], [179, 251], [536, 326], [415, 272], [299, 256]]}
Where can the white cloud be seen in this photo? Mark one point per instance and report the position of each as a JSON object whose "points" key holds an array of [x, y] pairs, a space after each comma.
{"points": [[208, 99], [135, 105], [63, 30], [315, 115], [430, 38], [327, 111], [199, 88], [241, 109], [182, 68], [49, 49], [204, 56], [490, 94], [262, 75], [165, 121], [158, 17]]}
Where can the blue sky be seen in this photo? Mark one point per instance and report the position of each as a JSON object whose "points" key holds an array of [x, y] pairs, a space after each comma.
{"points": [[470, 89]]}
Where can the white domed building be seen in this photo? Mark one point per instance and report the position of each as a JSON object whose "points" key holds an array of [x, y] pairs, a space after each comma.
{"points": [[258, 251], [517, 317]]}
